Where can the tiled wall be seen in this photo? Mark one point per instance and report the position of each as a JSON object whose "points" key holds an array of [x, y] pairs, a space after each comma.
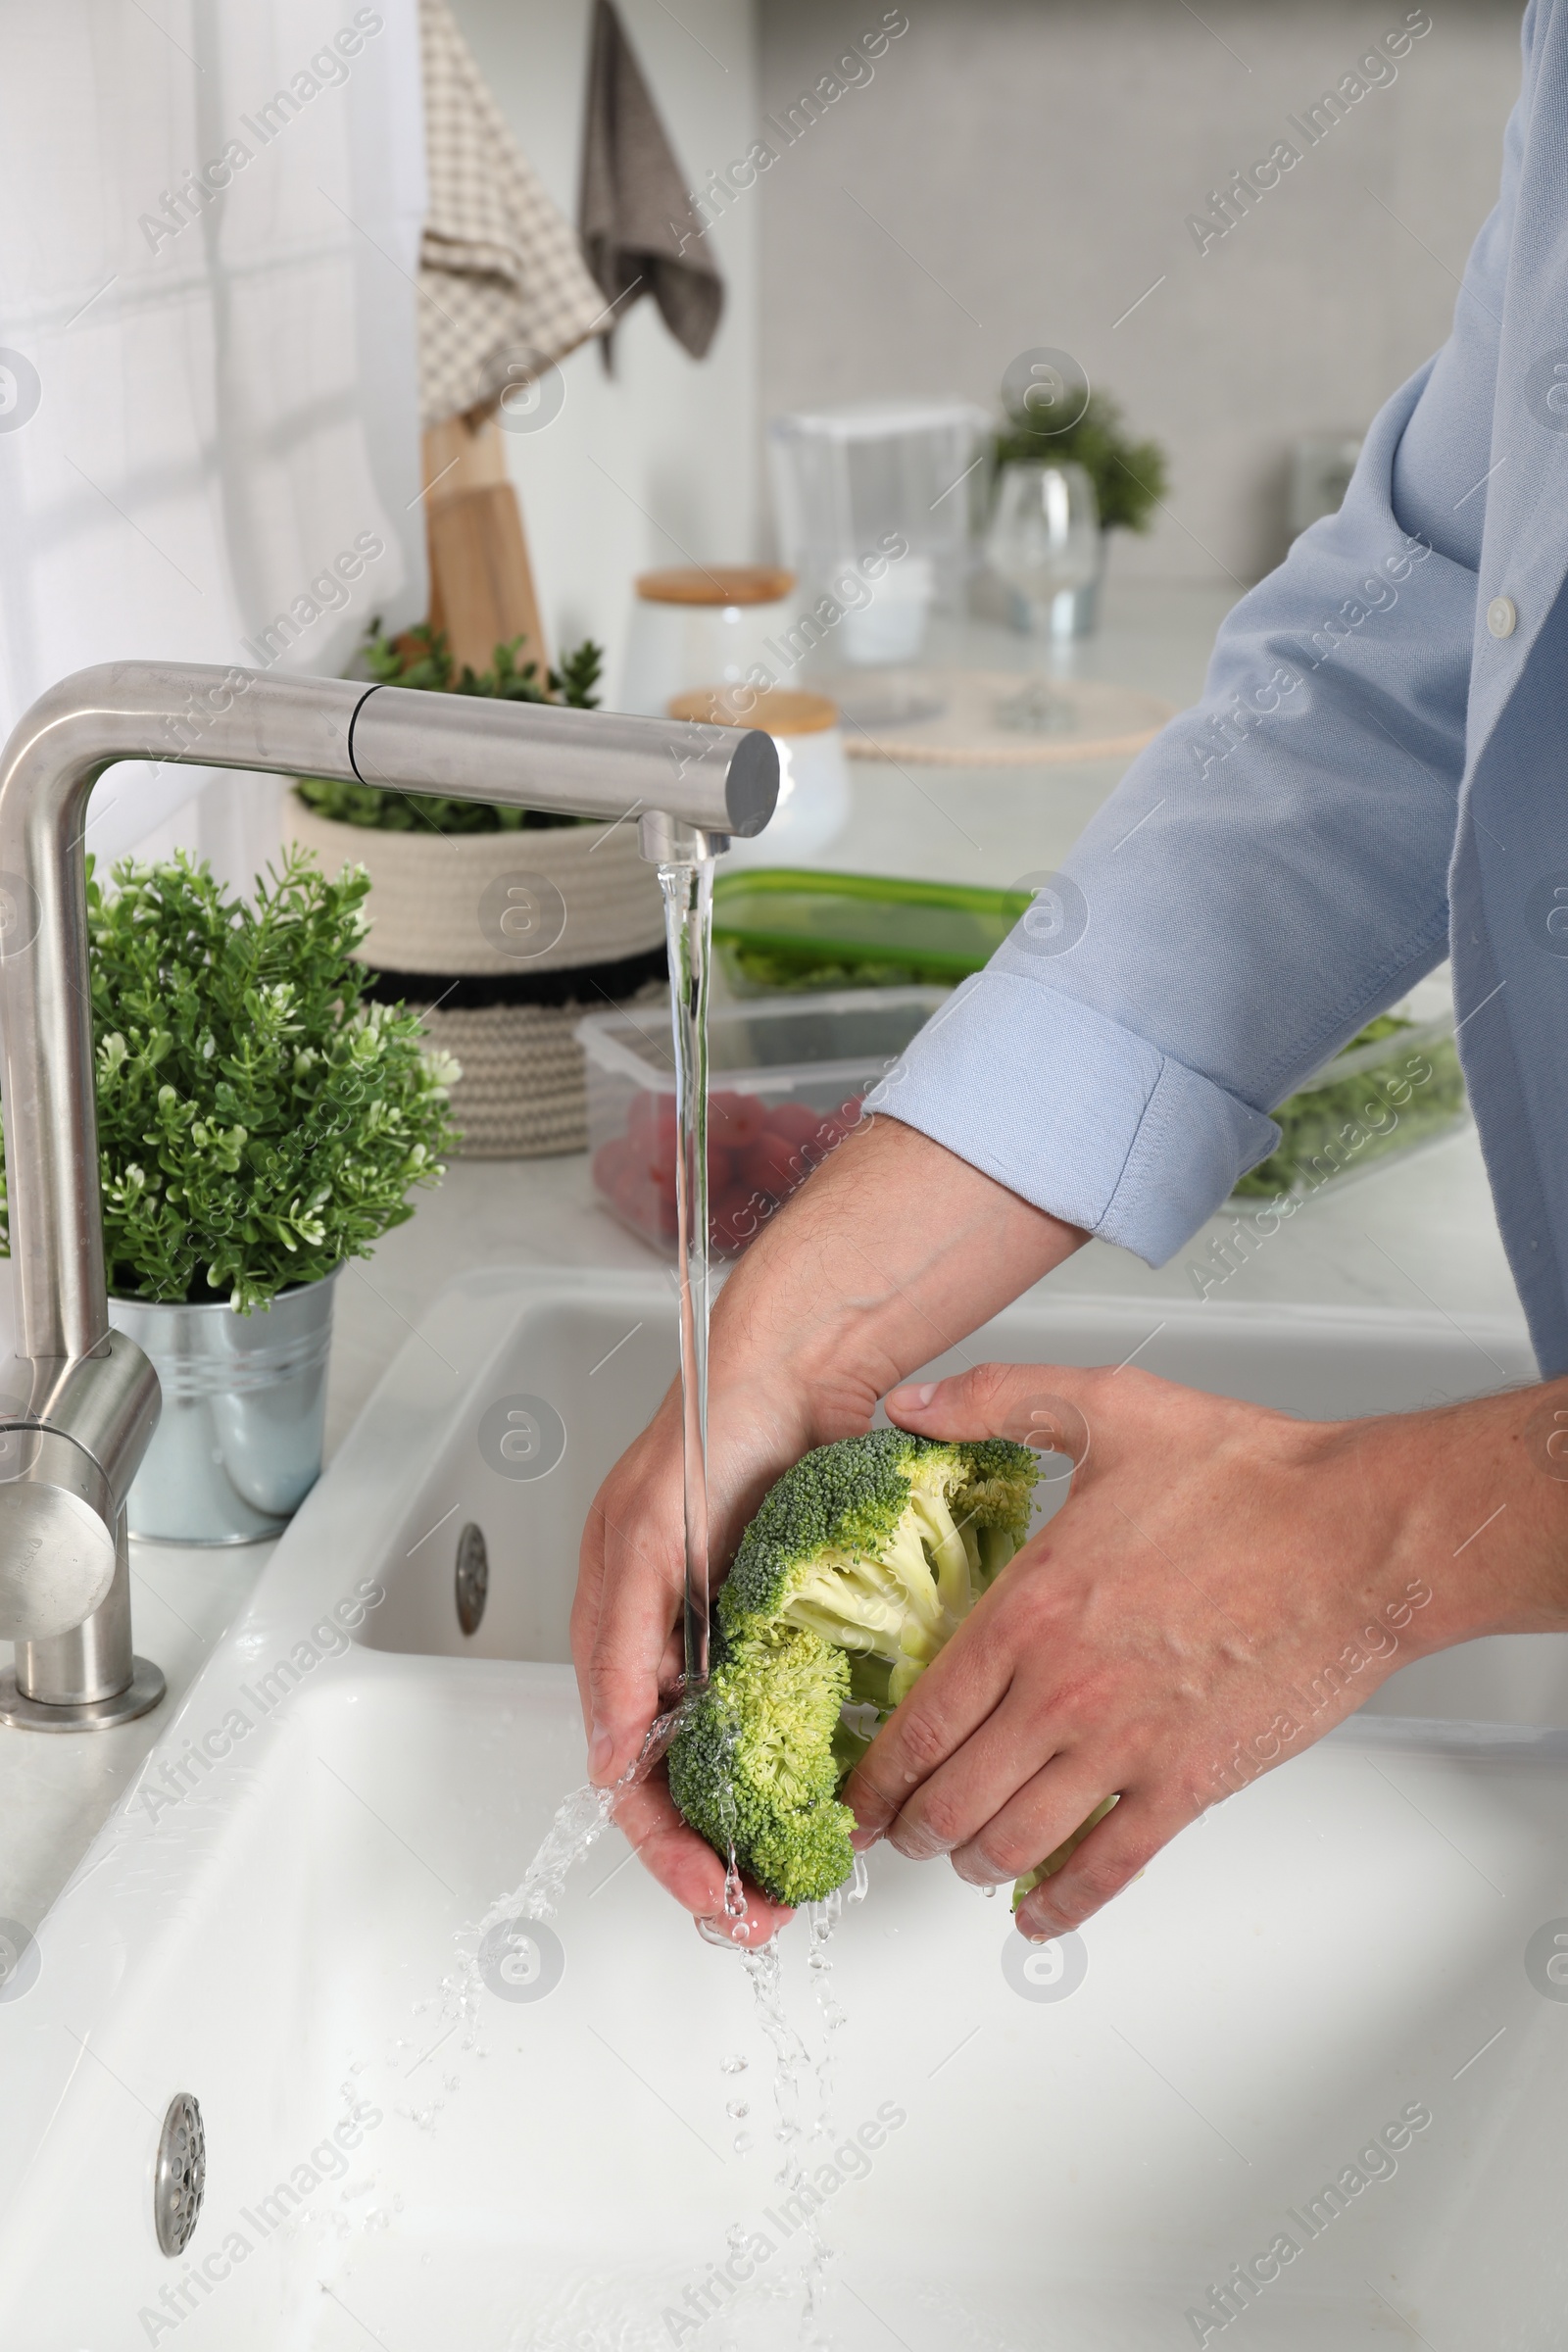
{"points": [[1016, 172]]}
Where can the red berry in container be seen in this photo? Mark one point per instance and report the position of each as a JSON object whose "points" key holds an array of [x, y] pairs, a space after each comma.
{"points": [[796, 1122], [773, 1165], [652, 1117], [734, 1120], [612, 1161]]}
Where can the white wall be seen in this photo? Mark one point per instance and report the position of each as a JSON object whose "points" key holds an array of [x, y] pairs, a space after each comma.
{"points": [[659, 465], [1035, 161]]}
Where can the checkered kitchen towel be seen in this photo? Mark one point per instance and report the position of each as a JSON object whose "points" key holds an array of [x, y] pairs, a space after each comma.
{"points": [[501, 272]]}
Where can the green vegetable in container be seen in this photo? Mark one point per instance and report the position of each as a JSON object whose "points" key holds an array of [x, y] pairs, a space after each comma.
{"points": [[767, 973], [862, 1563], [1356, 1119]]}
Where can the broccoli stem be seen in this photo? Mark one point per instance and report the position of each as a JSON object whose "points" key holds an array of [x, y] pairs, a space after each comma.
{"points": [[906, 1557], [997, 1548], [935, 1523], [851, 1634]]}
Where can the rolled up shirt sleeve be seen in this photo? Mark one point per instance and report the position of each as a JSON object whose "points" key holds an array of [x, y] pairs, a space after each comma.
{"points": [[1076, 1112], [1271, 871]]}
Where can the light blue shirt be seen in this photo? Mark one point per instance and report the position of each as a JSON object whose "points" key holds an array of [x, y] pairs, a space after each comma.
{"points": [[1377, 775]]}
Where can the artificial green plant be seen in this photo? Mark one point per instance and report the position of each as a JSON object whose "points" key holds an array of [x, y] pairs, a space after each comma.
{"points": [[1129, 477], [258, 1121]]}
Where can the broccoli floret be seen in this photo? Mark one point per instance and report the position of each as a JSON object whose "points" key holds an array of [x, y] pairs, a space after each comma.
{"points": [[752, 1767], [862, 1562]]}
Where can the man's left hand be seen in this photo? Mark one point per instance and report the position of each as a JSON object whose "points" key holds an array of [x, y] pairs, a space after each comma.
{"points": [[1223, 1584]]}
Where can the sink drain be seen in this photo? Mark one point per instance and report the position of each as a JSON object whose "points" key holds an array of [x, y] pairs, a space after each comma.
{"points": [[182, 2174], [473, 1579]]}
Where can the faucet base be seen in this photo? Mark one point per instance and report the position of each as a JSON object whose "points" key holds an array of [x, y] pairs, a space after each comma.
{"points": [[141, 1695]]}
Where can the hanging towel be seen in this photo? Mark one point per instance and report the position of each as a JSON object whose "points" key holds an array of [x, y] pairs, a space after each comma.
{"points": [[501, 277], [640, 227]]}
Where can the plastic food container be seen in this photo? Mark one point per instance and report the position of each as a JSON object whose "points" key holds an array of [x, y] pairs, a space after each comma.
{"points": [[777, 929], [1398, 1083], [785, 1085]]}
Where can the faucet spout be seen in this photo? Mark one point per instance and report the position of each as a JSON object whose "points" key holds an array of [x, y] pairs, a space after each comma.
{"points": [[68, 1450]]}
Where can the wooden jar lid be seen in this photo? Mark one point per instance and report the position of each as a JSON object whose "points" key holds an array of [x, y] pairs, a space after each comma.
{"points": [[776, 709], [717, 584]]}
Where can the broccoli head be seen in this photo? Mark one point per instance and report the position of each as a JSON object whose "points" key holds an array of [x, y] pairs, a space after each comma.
{"points": [[860, 1565]]}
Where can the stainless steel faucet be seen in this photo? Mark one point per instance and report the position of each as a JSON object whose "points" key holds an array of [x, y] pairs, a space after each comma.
{"points": [[81, 1403]]}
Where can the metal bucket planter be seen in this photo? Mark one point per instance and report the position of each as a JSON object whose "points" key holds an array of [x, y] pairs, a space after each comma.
{"points": [[238, 1443]]}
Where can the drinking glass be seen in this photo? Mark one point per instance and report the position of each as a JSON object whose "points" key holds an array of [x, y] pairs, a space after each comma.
{"points": [[1045, 533]]}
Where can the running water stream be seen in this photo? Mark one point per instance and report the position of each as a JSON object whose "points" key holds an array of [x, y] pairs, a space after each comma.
{"points": [[585, 1815], [689, 936]]}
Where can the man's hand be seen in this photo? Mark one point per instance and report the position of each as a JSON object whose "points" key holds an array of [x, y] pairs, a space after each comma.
{"points": [[893, 1250], [1223, 1586], [626, 1617]]}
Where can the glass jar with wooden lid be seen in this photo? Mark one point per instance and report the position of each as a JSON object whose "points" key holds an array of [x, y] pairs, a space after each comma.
{"points": [[702, 624]]}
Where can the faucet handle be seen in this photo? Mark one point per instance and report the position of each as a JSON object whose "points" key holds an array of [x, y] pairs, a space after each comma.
{"points": [[57, 1534], [72, 1432]]}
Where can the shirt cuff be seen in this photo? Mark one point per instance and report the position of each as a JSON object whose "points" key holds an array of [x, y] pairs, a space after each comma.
{"points": [[1070, 1110]]}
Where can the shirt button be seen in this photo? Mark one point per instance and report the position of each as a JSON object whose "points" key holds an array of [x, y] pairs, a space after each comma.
{"points": [[1502, 616]]}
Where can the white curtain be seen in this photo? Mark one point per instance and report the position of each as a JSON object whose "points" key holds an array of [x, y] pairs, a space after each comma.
{"points": [[210, 215]]}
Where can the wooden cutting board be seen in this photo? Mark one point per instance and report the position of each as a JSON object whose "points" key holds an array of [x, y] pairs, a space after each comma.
{"points": [[481, 582]]}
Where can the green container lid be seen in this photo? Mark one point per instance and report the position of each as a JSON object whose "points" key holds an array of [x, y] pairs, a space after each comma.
{"points": [[779, 928]]}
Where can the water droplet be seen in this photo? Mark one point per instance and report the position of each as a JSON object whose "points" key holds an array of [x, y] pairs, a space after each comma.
{"points": [[744, 2144], [988, 1892], [735, 2064], [736, 2237], [736, 2108]]}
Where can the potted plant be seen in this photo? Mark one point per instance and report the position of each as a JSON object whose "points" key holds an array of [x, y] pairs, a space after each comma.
{"points": [[1129, 477], [504, 924], [259, 1122]]}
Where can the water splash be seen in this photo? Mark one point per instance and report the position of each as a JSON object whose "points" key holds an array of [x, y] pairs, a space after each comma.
{"points": [[764, 1967], [581, 1820], [822, 1917]]}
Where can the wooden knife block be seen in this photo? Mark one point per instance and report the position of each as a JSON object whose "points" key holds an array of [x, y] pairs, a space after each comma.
{"points": [[481, 584]]}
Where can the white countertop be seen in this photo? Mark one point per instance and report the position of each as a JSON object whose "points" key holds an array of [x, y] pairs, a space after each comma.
{"points": [[1416, 1232]]}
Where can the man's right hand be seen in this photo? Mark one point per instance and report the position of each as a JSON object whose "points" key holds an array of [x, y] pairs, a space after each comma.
{"points": [[893, 1253]]}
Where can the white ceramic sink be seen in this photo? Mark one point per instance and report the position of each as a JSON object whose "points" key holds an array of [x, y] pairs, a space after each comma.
{"points": [[1068, 2154]]}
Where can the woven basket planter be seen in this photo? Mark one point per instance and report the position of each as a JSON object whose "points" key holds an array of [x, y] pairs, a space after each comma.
{"points": [[439, 904], [523, 1093], [508, 938]]}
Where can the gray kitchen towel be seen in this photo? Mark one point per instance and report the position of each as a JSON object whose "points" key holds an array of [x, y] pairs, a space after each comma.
{"points": [[502, 287], [640, 227]]}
